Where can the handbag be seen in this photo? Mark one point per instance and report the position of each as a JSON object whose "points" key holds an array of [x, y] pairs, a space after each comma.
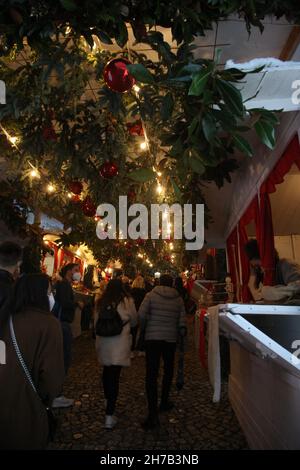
{"points": [[52, 421]]}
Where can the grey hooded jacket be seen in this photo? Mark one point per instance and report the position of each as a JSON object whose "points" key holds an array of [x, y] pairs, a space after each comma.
{"points": [[162, 314]]}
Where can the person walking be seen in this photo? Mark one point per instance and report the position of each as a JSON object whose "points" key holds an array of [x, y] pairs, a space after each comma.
{"points": [[36, 332], [138, 292], [64, 310], [162, 318], [113, 352]]}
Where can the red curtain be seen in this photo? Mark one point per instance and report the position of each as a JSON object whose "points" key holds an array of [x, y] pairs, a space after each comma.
{"points": [[265, 235], [251, 214], [261, 212]]}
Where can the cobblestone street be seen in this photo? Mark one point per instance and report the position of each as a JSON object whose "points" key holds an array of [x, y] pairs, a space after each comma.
{"points": [[195, 423]]}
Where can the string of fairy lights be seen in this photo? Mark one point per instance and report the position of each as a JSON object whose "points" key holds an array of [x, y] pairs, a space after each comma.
{"points": [[35, 174]]}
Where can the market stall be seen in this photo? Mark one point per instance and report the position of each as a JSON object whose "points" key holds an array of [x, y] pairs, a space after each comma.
{"points": [[264, 381]]}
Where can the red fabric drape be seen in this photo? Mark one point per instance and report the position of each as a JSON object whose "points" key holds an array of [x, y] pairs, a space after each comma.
{"points": [[251, 214], [265, 236], [261, 212], [265, 239]]}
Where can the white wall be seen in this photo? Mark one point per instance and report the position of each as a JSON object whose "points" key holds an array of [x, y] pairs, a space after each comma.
{"points": [[288, 247]]}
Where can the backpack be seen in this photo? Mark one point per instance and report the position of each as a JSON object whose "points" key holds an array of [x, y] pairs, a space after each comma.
{"points": [[109, 322]]}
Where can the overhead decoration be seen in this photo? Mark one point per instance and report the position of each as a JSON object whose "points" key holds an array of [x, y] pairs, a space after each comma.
{"points": [[108, 170], [88, 207], [117, 76], [189, 112], [76, 187]]}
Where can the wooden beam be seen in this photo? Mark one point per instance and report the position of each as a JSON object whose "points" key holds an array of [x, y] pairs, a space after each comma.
{"points": [[291, 44]]}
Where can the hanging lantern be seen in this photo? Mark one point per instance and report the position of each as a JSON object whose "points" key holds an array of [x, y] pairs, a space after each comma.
{"points": [[108, 170], [116, 75], [88, 207], [76, 187]]}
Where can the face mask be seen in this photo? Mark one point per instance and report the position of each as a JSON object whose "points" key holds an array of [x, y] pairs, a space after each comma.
{"points": [[76, 277], [51, 301]]}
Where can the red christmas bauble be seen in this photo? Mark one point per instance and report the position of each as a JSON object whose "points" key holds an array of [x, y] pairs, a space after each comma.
{"points": [[76, 187], [167, 258], [49, 133], [135, 128], [116, 75], [88, 207], [141, 241], [108, 170], [75, 199]]}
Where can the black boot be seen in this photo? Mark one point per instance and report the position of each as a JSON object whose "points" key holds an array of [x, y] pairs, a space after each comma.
{"points": [[166, 406], [151, 422]]}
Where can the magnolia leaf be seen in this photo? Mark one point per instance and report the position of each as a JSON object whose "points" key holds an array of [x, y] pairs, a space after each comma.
{"points": [[196, 165], [231, 96], [199, 82], [142, 175], [243, 145], [176, 189], [140, 73], [266, 133], [69, 5]]}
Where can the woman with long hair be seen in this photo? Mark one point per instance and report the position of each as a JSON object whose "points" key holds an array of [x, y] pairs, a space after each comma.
{"points": [[36, 333], [114, 351]]}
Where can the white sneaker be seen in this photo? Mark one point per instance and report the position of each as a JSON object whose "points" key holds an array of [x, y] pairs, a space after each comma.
{"points": [[110, 421], [62, 402]]}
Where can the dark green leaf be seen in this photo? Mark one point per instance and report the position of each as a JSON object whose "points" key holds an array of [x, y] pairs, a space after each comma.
{"points": [[122, 37], [196, 165], [167, 107], [104, 37], [142, 175], [243, 145], [231, 96], [176, 189], [266, 133], [69, 5], [209, 127], [199, 82], [193, 126], [140, 73]]}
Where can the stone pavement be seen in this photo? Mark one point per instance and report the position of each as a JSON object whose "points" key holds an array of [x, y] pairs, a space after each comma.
{"points": [[195, 423]]}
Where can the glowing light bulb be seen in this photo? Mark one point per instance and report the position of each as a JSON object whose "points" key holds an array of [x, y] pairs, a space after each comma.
{"points": [[171, 246], [159, 173], [136, 88], [159, 188], [143, 145], [69, 195], [13, 140], [34, 174], [50, 188]]}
